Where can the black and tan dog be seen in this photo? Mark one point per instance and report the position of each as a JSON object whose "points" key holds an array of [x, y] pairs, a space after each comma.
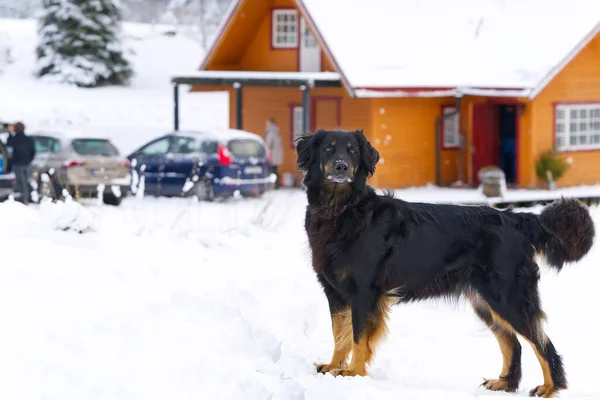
{"points": [[370, 251]]}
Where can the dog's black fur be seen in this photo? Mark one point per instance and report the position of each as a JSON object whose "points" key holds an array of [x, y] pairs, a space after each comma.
{"points": [[370, 250]]}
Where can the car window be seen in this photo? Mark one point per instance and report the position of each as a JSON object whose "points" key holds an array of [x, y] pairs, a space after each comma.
{"points": [[156, 148], [209, 147], [184, 145], [94, 147], [246, 148], [46, 144]]}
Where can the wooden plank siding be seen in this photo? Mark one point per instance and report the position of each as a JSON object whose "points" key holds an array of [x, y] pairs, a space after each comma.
{"points": [[579, 82]]}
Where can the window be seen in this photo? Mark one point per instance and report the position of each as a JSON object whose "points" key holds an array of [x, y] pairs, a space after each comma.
{"points": [[451, 129], [184, 145], [94, 147], [209, 147], [309, 40], [284, 27], [46, 144], [242, 148], [157, 148], [577, 127], [297, 123]]}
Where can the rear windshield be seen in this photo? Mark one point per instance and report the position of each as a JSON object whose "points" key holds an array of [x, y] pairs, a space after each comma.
{"points": [[46, 144], [243, 148], [94, 147]]}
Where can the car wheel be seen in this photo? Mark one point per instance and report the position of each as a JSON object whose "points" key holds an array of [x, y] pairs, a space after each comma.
{"points": [[48, 189], [111, 200], [204, 191]]}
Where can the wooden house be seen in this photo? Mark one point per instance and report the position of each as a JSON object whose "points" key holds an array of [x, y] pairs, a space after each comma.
{"points": [[441, 88]]}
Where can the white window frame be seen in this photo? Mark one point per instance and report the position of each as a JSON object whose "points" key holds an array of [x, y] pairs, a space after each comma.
{"points": [[297, 123], [451, 129], [291, 36], [580, 122]]}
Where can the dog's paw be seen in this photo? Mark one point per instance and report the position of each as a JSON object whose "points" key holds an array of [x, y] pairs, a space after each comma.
{"points": [[347, 372], [324, 368], [497, 385], [545, 391]]}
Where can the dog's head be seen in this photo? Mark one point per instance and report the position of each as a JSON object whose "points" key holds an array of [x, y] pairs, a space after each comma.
{"points": [[336, 158]]}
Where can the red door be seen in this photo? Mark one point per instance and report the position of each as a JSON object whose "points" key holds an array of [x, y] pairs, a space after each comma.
{"points": [[484, 150]]}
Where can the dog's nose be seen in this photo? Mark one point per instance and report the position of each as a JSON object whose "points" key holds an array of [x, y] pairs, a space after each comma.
{"points": [[341, 166]]}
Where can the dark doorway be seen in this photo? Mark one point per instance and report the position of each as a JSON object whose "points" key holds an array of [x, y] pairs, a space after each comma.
{"points": [[507, 118], [494, 139]]}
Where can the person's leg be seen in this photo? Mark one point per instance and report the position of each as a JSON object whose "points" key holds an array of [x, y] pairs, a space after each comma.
{"points": [[276, 172], [22, 186]]}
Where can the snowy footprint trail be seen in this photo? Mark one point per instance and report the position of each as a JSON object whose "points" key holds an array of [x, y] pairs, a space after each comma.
{"points": [[168, 298]]}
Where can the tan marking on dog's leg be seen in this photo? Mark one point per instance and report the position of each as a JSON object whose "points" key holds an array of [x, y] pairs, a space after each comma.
{"points": [[374, 333], [510, 375], [342, 335], [548, 388], [507, 342]]}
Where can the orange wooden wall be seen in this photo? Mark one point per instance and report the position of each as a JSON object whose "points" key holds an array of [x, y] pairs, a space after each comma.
{"points": [[579, 81], [403, 131]]}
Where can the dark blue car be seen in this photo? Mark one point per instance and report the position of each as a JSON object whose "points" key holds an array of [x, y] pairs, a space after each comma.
{"points": [[206, 164]]}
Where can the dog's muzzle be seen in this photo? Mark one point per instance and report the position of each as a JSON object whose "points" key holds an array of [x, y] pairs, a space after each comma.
{"points": [[340, 172]]}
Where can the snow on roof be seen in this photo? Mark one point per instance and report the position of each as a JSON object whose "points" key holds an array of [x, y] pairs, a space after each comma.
{"points": [[510, 44], [257, 75], [224, 134], [67, 135]]}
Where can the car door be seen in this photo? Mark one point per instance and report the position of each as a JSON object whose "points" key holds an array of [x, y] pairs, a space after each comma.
{"points": [[149, 163], [179, 163]]}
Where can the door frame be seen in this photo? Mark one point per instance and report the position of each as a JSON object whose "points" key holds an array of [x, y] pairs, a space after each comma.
{"points": [[313, 109], [497, 102]]}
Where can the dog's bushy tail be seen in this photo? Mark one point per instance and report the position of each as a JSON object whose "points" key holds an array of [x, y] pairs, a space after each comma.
{"points": [[568, 232]]}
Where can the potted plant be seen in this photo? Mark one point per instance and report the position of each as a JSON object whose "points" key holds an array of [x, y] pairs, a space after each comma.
{"points": [[550, 167]]}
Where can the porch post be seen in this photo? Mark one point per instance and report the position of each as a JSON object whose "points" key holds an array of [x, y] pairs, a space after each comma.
{"points": [[305, 108], [238, 105], [176, 107]]}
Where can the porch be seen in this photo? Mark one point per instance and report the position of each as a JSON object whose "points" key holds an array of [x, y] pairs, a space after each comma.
{"points": [[238, 80]]}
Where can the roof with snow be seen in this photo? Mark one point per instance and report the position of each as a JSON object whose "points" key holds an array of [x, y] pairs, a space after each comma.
{"points": [[500, 44], [220, 134], [259, 78], [442, 47]]}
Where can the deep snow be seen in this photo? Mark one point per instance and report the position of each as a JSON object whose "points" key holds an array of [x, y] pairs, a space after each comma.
{"points": [[169, 298]]}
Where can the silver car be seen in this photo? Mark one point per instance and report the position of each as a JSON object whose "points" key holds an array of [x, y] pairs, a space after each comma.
{"points": [[83, 166]]}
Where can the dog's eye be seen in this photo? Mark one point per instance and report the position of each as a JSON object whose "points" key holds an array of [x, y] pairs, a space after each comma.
{"points": [[351, 150], [329, 149]]}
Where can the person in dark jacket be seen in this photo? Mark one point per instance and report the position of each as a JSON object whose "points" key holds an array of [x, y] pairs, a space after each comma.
{"points": [[23, 152]]}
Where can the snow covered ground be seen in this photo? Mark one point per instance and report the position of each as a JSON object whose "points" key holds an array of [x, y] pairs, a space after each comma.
{"points": [[171, 299], [436, 194], [128, 115]]}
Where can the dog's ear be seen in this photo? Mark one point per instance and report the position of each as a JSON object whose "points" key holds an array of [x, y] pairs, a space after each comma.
{"points": [[307, 148], [368, 154]]}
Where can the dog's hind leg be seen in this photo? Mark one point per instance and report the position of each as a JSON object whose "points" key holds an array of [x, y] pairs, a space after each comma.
{"points": [[369, 328], [510, 376], [527, 321]]}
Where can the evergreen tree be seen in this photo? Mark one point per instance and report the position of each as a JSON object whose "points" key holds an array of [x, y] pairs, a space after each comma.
{"points": [[79, 43]]}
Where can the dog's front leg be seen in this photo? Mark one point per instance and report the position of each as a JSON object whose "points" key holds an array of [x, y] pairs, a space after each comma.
{"points": [[341, 324], [369, 327]]}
